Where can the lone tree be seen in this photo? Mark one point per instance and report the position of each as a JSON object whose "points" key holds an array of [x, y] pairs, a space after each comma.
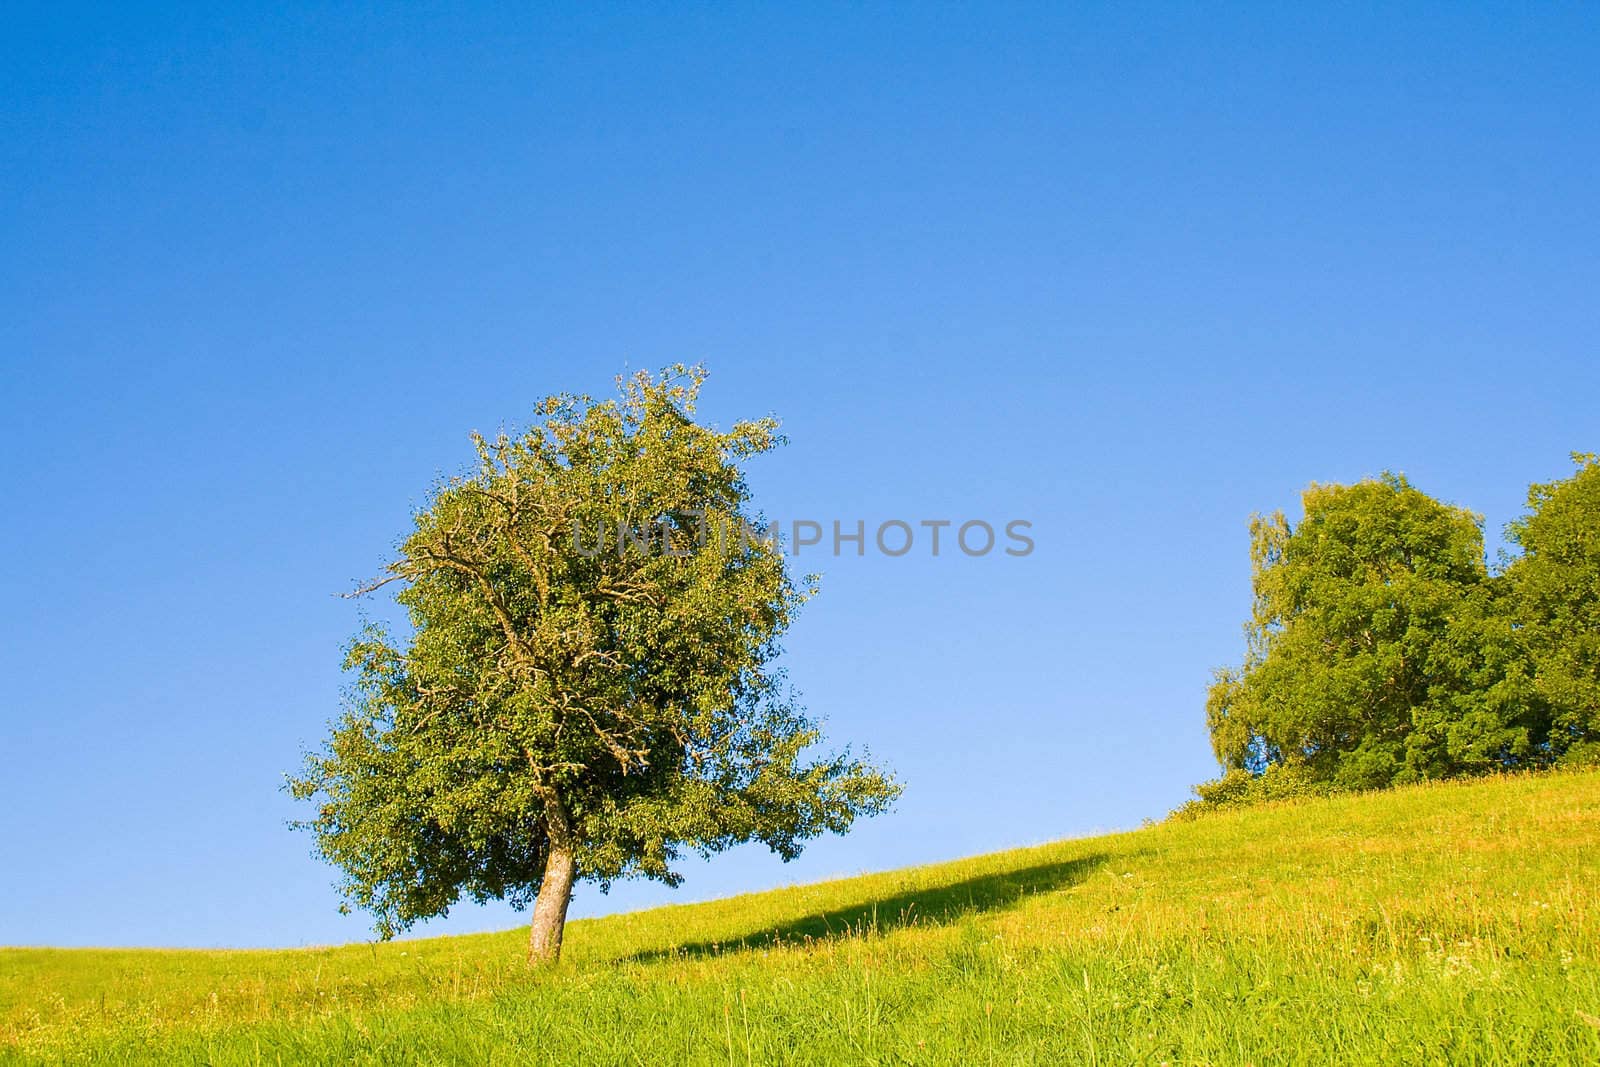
{"points": [[588, 687]]}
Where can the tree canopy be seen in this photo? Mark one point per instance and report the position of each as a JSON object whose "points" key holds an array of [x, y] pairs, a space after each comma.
{"points": [[1380, 650], [588, 687], [1555, 585]]}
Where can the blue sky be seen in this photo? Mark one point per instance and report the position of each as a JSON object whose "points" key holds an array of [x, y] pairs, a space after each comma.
{"points": [[1128, 272]]}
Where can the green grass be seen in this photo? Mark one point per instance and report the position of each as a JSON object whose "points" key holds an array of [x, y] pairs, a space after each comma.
{"points": [[1449, 923]]}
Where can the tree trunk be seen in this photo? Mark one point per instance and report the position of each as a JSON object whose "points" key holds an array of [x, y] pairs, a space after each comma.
{"points": [[555, 891]]}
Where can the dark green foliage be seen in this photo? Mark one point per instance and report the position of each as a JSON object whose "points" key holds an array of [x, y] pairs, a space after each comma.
{"points": [[1556, 593], [1381, 650]]}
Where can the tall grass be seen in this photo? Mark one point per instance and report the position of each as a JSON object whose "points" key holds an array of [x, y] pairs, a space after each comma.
{"points": [[1446, 923]]}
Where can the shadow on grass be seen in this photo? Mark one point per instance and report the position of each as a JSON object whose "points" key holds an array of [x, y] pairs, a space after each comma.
{"points": [[933, 905]]}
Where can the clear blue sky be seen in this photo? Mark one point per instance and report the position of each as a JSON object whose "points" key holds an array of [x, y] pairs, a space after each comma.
{"points": [[1131, 272]]}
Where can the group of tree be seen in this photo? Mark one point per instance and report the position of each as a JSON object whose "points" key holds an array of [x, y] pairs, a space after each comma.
{"points": [[1383, 649], [553, 714]]}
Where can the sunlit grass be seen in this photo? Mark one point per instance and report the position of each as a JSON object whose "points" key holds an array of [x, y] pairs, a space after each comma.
{"points": [[1441, 923]]}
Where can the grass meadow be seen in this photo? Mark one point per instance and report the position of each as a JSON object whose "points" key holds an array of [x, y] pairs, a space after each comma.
{"points": [[1445, 923]]}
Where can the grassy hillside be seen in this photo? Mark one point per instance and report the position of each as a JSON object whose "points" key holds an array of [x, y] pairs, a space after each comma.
{"points": [[1453, 922]]}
